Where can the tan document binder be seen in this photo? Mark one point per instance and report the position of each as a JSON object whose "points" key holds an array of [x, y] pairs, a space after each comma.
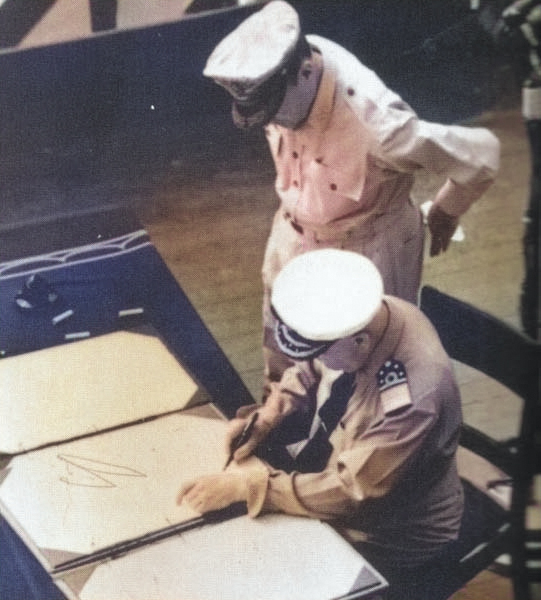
{"points": [[79, 388]]}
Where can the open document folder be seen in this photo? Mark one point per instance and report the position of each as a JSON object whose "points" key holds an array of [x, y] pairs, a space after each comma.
{"points": [[74, 499], [95, 443]]}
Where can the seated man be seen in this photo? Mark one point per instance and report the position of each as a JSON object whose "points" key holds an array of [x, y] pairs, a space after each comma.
{"points": [[362, 430]]}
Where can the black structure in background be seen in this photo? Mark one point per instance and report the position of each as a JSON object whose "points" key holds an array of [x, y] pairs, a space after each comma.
{"points": [[531, 292], [101, 120], [518, 32], [103, 14], [17, 19]]}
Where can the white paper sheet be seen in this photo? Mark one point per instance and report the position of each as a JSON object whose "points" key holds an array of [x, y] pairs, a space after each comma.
{"points": [[90, 385], [80, 496], [274, 557]]}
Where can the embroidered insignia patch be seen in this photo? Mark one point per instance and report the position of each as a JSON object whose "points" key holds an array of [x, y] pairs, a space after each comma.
{"points": [[393, 386]]}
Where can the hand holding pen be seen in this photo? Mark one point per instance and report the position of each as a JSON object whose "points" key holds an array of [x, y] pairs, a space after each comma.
{"points": [[242, 438], [251, 427]]}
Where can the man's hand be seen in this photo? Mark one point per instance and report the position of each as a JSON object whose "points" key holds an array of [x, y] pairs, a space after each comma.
{"points": [[442, 226], [267, 420], [214, 492]]}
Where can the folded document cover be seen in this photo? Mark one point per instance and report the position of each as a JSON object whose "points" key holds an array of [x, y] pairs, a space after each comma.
{"points": [[75, 389]]}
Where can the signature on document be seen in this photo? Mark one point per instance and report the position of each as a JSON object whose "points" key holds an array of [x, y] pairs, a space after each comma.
{"points": [[88, 472]]}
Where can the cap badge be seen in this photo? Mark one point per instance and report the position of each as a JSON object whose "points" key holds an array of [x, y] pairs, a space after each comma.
{"points": [[294, 345]]}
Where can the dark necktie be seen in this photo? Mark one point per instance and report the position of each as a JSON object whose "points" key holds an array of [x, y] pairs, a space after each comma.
{"points": [[317, 449]]}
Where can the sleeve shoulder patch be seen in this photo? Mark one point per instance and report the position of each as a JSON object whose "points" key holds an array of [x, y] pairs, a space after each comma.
{"points": [[393, 386]]}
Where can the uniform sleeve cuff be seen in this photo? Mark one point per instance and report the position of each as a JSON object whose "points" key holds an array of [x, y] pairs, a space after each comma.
{"points": [[257, 484], [456, 198]]}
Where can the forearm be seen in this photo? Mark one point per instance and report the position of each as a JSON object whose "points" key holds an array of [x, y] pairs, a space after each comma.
{"points": [[467, 158], [455, 198], [290, 395], [316, 495], [364, 469]]}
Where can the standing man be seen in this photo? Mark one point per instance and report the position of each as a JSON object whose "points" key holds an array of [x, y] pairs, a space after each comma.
{"points": [[346, 149], [363, 427]]}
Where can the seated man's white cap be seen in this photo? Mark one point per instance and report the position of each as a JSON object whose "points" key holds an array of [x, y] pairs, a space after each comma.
{"points": [[322, 296], [252, 63]]}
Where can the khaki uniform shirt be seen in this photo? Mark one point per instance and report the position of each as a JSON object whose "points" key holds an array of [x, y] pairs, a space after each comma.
{"points": [[344, 177], [361, 145], [391, 478]]}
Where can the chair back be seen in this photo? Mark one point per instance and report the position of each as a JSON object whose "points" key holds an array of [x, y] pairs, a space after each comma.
{"points": [[487, 344]]}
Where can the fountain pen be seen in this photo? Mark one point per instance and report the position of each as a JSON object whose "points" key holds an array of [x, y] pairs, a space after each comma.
{"points": [[242, 438]]}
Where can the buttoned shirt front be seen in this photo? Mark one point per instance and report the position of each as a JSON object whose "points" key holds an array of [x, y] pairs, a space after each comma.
{"points": [[361, 145], [391, 478]]}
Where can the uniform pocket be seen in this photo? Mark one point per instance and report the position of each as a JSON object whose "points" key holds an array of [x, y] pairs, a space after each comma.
{"points": [[347, 182]]}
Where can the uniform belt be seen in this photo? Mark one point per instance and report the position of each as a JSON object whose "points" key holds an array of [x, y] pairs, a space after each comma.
{"points": [[337, 230], [363, 225]]}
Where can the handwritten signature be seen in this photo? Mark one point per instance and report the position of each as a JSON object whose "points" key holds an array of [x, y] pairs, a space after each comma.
{"points": [[88, 472]]}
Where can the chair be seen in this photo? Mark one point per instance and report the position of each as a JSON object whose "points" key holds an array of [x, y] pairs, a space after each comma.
{"points": [[479, 340]]}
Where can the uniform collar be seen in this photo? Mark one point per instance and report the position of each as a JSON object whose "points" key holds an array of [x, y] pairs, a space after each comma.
{"points": [[390, 339], [321, 112]]}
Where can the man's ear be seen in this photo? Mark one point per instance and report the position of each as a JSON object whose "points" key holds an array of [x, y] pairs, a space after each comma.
{"points": [[362, 338]]}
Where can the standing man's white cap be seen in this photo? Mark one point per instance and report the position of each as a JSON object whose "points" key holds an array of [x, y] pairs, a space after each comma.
{"points": [[322, 296], [255, 50], [255, 62]]}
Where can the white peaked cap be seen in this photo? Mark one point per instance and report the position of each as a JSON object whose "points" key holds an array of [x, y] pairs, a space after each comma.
{"points": [[257, 48], [327, 294]]}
